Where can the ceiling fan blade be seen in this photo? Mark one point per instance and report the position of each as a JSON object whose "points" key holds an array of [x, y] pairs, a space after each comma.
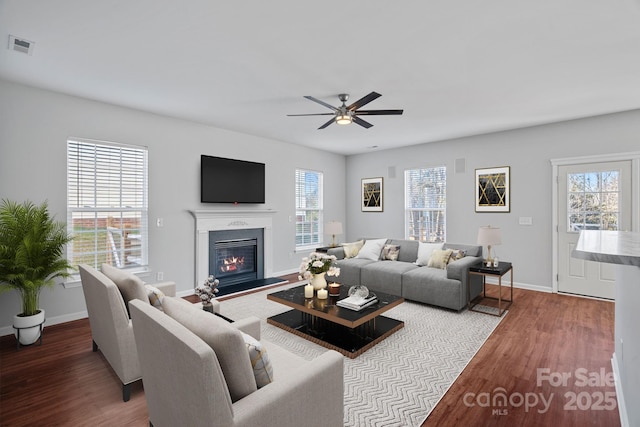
{"points": [[327, 124], [361, 122], [379, 112], [315, 114], [311, 98], [363, 101]]}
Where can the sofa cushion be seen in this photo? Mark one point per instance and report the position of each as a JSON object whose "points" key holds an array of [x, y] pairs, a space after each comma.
{"points": [[350, 270], [424, 252], [352, 249], [385, 276], [390, 252], [130, 285], [371, 249], [408, 249], [260, 361], [440, 258], [225, 340]]}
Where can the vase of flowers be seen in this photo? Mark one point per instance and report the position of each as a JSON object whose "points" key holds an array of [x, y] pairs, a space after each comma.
{"points": [[207, 292], [315, 266]]}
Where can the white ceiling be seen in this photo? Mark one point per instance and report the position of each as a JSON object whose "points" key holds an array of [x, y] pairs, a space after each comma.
{"points": [[456, 67]]}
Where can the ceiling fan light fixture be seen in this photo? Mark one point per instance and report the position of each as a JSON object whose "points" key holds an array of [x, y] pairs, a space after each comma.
{"points": [[343, 119]]}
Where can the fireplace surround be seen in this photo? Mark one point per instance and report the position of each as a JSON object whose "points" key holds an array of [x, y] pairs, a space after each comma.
{"points": [[207, 221]]}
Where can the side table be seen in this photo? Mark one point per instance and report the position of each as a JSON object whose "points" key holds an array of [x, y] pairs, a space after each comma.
{"points": [[324, 249], [496, 272]]}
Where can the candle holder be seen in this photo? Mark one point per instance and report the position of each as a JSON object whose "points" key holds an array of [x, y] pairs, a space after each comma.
{"points": [[334, 289]]}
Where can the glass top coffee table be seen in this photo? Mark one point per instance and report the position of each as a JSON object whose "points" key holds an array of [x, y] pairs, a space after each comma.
{"points": [[323, 322]]}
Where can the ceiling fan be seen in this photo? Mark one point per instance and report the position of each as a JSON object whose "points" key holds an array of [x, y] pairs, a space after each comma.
{"points": [[345, 114]]}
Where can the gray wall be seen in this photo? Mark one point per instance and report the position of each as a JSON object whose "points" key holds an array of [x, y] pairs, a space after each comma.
{"points": [[35, 125], [528, 153]]}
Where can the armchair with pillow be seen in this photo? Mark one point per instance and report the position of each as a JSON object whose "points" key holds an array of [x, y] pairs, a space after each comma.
{"points": [[199, 370], [107, 295]]}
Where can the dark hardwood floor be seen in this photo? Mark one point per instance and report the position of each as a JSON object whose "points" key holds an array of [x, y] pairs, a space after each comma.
{"points": [[63, 383]]}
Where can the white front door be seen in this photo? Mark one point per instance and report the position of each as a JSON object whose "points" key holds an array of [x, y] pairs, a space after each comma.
{"points": [[594, 196]]}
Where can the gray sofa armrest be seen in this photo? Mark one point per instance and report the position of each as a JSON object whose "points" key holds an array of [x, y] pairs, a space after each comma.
{"points": [[320, 381], [459, 269], [167, 288], [249, 325], [338, 252]]}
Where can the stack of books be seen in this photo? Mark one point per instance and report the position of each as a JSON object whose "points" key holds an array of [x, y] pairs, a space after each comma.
{"points": [[358, 303]]}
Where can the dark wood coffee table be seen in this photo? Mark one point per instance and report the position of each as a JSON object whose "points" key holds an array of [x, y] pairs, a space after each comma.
{"points": [[323, 322]]}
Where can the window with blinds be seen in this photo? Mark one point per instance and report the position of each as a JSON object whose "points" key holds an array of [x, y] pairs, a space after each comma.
{"points": [[107, 204], [425, 204], [308, 208]]}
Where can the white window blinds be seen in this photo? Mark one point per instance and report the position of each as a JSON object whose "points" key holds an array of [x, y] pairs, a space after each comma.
{"points": [[308, 208], [425, 204], [107, 204]]}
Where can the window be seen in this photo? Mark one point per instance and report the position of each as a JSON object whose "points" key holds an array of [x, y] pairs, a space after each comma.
{"points": [[425, 204], [593, 201], [107, 204], [308, 208]]}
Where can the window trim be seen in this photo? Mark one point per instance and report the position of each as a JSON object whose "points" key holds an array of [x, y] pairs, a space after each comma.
{"points": [[143, 210], [320, 209], [408, 208]]}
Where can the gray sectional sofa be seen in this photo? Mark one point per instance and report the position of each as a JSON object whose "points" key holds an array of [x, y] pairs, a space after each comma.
{"points": [[403, 277]]}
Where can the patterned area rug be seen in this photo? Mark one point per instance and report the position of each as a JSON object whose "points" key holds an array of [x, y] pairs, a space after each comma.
{"points": [[399, 381]]}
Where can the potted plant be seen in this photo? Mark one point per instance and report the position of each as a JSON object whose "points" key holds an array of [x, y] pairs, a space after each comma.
{"points": [[31, 248]]}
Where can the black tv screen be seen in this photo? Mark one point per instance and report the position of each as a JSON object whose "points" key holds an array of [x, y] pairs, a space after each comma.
{"points": [[231, 181]]}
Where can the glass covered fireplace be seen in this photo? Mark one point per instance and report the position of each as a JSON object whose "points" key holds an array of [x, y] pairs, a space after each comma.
{"points": [[236, 256]]}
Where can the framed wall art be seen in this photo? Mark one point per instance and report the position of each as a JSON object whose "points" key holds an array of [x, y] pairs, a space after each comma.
{"points": [[492, 190], [371, 194]]}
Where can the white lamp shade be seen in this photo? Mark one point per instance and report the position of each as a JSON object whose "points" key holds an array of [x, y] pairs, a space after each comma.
{"points": [[333, 227], [489, 236]]}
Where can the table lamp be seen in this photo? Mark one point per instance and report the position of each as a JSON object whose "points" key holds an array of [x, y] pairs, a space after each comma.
{"points": [[333, 228], [488, 236]]}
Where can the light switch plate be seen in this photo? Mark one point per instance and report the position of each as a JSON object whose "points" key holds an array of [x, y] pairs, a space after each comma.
{"points": [[525, 220]]}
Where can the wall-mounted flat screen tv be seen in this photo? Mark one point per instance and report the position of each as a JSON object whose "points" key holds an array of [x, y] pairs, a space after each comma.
{"points": [[231, 181]]}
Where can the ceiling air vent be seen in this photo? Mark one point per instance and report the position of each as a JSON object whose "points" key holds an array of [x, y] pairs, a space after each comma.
{"points": [[21, 45]]}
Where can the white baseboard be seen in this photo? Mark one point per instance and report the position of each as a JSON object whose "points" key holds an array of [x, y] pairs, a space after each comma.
{"points": [[622, 408], [519, 285], [49, 321]]}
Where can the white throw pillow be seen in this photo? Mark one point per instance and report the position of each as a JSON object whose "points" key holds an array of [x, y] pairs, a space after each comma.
{"points": [[440, 258], [424, 252], [156, 296], [371, 249], [352, 249], [260, 362]]}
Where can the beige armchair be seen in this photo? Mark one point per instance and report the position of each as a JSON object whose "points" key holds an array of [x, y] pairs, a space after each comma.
{"points": [[187, 382], [111, 328]]}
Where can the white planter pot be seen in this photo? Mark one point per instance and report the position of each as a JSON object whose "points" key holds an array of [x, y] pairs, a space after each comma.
{"points": [[318, 281], [29, 327]]}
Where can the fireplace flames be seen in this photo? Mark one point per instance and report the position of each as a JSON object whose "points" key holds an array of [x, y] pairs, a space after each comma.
{"points": [[231, 264]]}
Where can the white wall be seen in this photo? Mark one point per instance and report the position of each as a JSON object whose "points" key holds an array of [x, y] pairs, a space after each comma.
{"points": [[35, 125], [528, 153]]}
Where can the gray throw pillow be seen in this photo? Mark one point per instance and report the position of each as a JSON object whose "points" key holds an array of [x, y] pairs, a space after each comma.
{"points": [[130, 285], [225, 340]]}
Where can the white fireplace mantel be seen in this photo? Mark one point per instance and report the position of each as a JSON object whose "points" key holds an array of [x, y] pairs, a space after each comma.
{"points": [[227, 219]]}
